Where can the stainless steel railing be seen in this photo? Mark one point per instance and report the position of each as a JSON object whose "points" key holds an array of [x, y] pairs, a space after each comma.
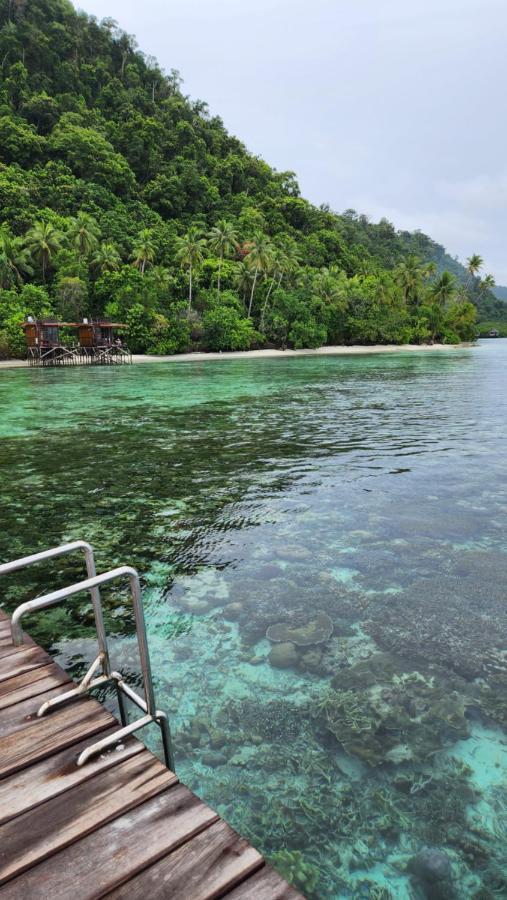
{"points": [[102, 661]]}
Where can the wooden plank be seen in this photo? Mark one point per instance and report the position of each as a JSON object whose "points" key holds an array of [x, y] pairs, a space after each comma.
{"points": [[264, 885], [203, 868], [5, 630], [7, 648], [25, 660], [33, 683], [41, 832], [23, 713], [56, 774], [111, 855], [24, 746], [5, 633]]}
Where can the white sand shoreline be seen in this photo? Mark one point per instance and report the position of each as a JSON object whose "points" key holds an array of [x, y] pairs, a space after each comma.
{"points": [[354, 350]]}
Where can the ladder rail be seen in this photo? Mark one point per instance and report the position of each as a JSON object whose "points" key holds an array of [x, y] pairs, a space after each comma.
{"points": [[92, 585]]}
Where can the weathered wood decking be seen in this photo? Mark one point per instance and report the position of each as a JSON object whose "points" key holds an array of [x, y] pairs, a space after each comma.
{"points": [[121, 826]]}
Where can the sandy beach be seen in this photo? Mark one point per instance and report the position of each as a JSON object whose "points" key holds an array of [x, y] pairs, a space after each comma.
{"points": [[268, 354]]}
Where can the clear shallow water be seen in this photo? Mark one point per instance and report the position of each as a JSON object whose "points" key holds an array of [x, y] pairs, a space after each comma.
{"points": [[371, 489]]}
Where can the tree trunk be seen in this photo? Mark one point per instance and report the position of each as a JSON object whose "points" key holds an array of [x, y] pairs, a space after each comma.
{"points": [[266, 301], [253, 291], [219, 273], [189, 291]]}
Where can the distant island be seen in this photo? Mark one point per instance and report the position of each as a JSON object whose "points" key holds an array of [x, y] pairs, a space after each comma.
{"points": [[122, 199]]}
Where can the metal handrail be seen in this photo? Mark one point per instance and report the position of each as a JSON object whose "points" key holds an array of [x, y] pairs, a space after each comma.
{"points": [[92, 584]]}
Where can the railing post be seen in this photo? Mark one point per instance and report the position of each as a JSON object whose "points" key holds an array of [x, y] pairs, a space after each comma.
{"points": [[91, 584], [135, 588]]}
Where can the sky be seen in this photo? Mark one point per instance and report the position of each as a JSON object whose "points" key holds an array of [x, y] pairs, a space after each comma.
{"points": [[395, 108]]}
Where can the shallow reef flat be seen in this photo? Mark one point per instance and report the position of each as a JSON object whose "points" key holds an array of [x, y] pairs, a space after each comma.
{"points": [[323, 548]]}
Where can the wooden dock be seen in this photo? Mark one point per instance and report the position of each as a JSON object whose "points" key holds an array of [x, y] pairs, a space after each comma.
{"points": [[121, 826]]}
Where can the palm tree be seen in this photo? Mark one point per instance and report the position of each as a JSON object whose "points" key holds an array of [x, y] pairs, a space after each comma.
{"points": [[160, 276], [43, 241], [222, 240], [144, 250], [258, 259], [487, 283], [14, 261], [329, 285], [190, 253], [444, 289], [106, 258], [243, 280], [474, 265], [84, 233], [409, 277], [429, 269]]}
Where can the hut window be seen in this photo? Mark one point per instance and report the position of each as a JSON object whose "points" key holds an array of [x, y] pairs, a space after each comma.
{"points": [[51, 334]]}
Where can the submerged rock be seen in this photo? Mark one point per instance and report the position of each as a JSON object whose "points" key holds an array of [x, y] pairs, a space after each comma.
{"points": [[283, 656], [197, 606], [432, 873], [311, 661], [269, 571], [233, 611], [213, 759], [315, 631]]}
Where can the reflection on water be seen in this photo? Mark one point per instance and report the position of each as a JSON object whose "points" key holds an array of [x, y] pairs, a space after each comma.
{"points": [[359, 505]]}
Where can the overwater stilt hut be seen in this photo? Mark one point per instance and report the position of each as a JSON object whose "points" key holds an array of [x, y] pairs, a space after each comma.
{"points": [[96, 343], [101, 343], [45, 345]]}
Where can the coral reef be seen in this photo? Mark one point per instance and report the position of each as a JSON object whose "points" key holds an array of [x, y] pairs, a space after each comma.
{"points": [[283, 656], [383, 717], [303, 875], [315, 631]]}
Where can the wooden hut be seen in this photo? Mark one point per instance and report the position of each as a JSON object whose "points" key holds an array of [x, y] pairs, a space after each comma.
{"points": [[98, 343], [98, 334], [44, 342], [101, 342]]}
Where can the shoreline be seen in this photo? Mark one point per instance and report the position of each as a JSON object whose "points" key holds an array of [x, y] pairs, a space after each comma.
{"points": [[201, 356]]}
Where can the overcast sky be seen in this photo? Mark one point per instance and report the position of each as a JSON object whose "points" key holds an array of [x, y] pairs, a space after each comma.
{"points": [[396, 108]]}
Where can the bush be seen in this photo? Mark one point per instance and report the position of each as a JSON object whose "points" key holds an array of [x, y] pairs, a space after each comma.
{"points": [[226, 329], [139, 328], [171, 336], [14, 308], [307, 334]]}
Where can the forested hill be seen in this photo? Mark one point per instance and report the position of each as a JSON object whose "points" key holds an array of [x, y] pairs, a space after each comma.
{"points": [[121, 197]]}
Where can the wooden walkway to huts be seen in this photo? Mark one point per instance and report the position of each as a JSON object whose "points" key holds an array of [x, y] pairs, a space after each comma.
{"points": [[121, 826]]}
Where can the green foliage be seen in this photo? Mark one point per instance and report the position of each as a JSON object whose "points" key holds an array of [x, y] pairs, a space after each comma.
{"points": [[14, 308], [90, 155], [140, 323], [72, 298], [484, 328], [309, 333], [123, 198], [170, 336], [19, 142], [226, 329]]}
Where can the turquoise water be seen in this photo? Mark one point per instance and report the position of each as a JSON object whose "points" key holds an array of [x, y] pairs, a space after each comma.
{"points": [[360, 503]]}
